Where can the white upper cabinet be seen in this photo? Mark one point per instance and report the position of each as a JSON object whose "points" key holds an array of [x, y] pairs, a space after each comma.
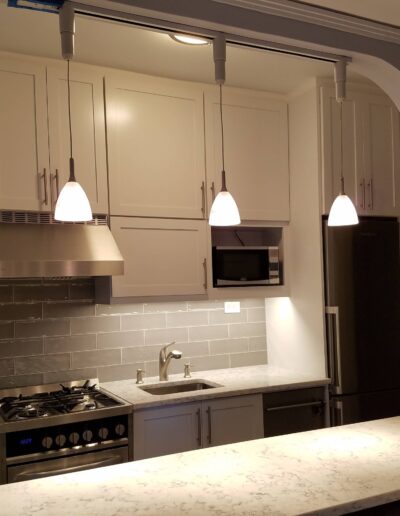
{"points": [[155, 136], [88, 134], [256, 152], [371, 161], [24, 154], [162, 257]]}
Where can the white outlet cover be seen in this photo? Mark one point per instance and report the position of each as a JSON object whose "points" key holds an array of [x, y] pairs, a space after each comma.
{"points": [[232, 307]]}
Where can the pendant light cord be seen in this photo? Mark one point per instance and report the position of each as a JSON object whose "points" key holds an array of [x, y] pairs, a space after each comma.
{"points": [[222, 127], [341, 147], [69, 111]]}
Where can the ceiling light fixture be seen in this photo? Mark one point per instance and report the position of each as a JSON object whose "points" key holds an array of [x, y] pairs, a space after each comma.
{"points": [[72, 204], [224, 210], [342, 212], [188, 39]]}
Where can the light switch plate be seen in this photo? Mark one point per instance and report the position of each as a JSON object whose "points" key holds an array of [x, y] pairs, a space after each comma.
{"points": [[232, 307]]}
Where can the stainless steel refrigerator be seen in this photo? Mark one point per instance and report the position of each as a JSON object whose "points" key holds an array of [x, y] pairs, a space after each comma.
{"points": [[362, 294]]}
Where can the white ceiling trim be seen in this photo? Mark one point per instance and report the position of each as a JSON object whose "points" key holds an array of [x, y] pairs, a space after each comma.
{"points": [[319, 16]]}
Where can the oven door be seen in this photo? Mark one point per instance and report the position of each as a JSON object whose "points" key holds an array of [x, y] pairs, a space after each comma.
{"points": [[70, 464]]}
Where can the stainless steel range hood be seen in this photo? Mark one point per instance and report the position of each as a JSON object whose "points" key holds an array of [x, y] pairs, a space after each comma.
{"points": [[54, 250]]}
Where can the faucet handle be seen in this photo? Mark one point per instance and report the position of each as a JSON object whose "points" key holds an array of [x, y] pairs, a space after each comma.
{"points": [[187, 371]]}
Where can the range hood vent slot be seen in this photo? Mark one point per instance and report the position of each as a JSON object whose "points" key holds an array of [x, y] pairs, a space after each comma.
{"points": [[31, 217]]}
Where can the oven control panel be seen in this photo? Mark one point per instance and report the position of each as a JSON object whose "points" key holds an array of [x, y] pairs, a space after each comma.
{"points": [[55, 438]]}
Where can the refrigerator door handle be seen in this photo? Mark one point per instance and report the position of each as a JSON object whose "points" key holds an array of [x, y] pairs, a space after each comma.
{"points": [[334, 349], [337, 407]]}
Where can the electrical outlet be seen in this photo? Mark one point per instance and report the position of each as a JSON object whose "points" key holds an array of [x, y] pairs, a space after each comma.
{"points": [[232, 307]]}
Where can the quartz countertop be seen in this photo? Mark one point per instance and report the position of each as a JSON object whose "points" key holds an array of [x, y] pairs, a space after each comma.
{"points": [[235, 381], [326, 472]]}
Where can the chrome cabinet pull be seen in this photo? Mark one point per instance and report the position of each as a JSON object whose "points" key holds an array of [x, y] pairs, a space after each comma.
{"points": [[203, 199], [209, 424], [205, 273], [44, 177], [362, 186], [57, 184], [54, 179], [371, 194], [199, 428], [212, 188]]}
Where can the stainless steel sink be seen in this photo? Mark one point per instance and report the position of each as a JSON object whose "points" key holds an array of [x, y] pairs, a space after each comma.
{"points": [[176, 387]]}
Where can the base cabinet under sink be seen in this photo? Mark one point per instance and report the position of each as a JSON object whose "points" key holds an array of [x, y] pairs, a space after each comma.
{"points": [[189, 426]]}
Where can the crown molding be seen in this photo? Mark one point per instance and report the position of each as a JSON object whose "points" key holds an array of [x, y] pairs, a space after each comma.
{"points": [[320, 16]]}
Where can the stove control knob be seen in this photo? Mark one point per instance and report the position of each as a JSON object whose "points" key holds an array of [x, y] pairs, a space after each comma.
{"points": [[120, 429], [61, 440], [87, 435], [47, 442], [74, 438], [103, 433]]}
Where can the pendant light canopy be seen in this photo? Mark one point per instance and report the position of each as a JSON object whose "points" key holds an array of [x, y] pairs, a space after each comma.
{"points": [[342, 212], [224, 210], [72, 203]]}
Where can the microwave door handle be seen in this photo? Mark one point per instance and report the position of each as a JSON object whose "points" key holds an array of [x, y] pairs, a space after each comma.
{"points": [[334, 348], [110, 461]]}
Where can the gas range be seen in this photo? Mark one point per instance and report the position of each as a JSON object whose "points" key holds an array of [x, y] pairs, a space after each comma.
{"points": [[51, 429]]}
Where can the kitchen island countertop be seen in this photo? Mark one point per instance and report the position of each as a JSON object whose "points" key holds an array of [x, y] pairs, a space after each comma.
{"points": [[325, 472], [232, 382]]}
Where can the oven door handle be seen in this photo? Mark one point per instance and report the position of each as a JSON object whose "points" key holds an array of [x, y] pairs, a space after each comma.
{"points": [[41, 474]]}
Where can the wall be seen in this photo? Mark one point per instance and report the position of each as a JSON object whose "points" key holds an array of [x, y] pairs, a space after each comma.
{"points": [[52, 331], [295, 325]]}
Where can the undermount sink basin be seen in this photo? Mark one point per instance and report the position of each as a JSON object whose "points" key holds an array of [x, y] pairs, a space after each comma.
{"points": [[176, 387]]}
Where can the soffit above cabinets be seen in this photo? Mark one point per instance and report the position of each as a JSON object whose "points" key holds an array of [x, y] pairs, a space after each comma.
{"points": [[111, 44]]}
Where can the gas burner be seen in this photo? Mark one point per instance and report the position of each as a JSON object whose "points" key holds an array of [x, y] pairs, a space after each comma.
{"points": [[30, 411], [47, 400]]}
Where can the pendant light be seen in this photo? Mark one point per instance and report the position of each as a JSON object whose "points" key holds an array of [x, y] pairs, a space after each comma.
{"points": [[342, 212], [72, 203], [224, 211]]}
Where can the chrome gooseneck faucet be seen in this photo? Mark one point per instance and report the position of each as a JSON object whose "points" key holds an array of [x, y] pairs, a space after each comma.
{"points": [[165, 359]]}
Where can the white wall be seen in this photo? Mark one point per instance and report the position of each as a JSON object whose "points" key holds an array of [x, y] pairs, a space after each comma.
{"points": [[295, 325]]}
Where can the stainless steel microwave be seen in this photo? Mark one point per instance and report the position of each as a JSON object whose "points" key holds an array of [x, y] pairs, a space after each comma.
{"points": [[245, 266]]}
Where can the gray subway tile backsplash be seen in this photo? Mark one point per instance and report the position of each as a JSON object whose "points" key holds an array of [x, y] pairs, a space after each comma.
{"points": [[51, 331]]}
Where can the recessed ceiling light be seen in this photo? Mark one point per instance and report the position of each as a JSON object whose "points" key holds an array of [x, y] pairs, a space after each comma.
{"points": [[187, 39]]}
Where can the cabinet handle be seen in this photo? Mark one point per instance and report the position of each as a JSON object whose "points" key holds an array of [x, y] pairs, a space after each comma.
{"points": [[44, 177], [212, 188], [205, 273], [57, 184], [199, 428], [362, 186], [371, 194], [209, 424], [203, 198]]}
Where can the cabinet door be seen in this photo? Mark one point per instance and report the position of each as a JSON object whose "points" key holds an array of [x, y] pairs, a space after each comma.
{"points": [[88, 132], [256, 152], [382, 163], [353, 167], [155, 134], [231, 420], [24, 155], [164, 430], [162, 257]]}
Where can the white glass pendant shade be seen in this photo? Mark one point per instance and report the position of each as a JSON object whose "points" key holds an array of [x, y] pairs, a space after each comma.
{"points": [[72, 204], [343, 212], [224, 211]]}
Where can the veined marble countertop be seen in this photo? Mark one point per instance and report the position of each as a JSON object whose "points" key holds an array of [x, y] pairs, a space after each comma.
{"points": [[325, 472], [235, 381]]}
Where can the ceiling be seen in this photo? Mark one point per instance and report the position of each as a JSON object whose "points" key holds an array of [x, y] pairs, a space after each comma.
{"points": [[385, 11], [122, 46]]}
